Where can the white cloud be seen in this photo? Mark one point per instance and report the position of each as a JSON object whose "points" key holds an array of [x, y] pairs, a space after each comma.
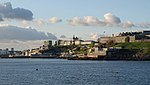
{"points": [[127, 24], [95, 36], [111, 19], [55, 20], [90, 20], [144, 25], [8, 32], [20, 45], [77, 21], [63, 36], [6, 11], [1, 19], [40, 22], [86, 21], [25, 23], [4, 25]]}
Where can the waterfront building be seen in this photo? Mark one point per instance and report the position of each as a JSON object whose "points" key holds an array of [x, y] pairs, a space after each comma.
{"points": [[26, 52], [64, 42], [35, 51], [4, 51], [123, 39], [47, 44], [141, 36], [60, 42], [67, 42], [78, 42], [9, 53], [87, 42], [106, 39], [97, 52]]}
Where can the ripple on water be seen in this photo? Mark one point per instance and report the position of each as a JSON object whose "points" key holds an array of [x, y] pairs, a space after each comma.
{"points": [[63, 72]]}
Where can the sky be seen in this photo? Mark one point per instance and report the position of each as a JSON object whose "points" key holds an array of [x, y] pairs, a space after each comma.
{"points": [[26, 23]]}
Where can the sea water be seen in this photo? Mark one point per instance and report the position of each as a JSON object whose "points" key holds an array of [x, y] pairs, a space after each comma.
{"points": [[73, 72]]}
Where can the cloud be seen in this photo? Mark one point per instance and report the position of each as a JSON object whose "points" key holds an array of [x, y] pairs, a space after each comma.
{"points": [[85, 21], [8, 32], [4, 25], [77, 21], [40, 22], [127, 24], [63, 36], [144, 25], [25, 23], [51, 36], [21, 45], [90, 20], [95, 36], [1, 19], [55, 20], [111, 19], [6, 11]]}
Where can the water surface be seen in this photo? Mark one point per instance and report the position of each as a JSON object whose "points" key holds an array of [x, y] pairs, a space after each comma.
{"points": [[73, 72]]}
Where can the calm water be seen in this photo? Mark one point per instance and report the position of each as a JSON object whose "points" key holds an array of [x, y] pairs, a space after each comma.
{"points": [[64, 72]]}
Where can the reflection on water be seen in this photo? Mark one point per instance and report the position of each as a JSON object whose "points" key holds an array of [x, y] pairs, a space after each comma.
{"points": [[64, 72]]}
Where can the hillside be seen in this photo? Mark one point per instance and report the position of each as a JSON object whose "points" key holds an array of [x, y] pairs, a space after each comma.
{"points": [[142, 49], [134, 45]]}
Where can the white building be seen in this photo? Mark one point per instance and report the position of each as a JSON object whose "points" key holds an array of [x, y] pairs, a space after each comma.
{"points": [[88, 42], [78, 42]]}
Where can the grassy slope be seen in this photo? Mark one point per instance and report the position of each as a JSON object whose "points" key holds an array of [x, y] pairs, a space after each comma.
{"points": [[134, 45], [142, 48]]}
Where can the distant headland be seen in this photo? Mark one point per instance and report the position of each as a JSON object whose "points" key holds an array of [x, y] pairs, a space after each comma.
{"points": [[124, 46]]}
